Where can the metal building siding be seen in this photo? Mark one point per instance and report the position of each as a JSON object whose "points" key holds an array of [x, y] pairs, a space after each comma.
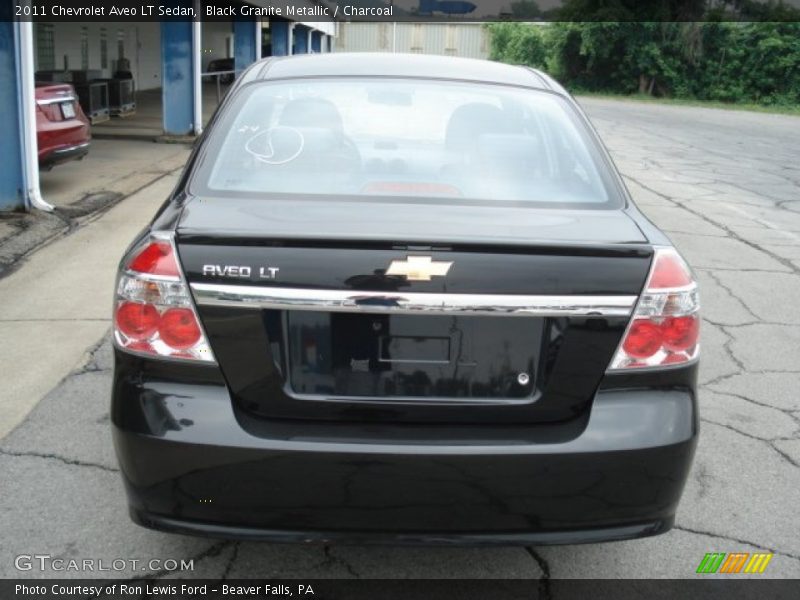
{"points": [[452, 39]]}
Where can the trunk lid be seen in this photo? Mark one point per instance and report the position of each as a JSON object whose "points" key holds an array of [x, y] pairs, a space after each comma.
{"points": [[57, 101], [425, 220], [324, 327]]}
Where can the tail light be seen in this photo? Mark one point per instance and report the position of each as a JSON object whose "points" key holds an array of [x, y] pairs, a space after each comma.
{"points": [[153, 311], [665, 326]]}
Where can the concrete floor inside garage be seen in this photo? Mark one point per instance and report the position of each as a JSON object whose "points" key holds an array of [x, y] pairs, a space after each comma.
{"points": [[146, 122], [123, 156]]}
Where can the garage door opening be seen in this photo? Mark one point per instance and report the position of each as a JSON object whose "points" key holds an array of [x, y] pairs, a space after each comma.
{"points": [[134, 82]]}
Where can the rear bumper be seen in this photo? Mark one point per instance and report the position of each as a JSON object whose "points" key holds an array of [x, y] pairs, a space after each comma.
{"points": [[63, 154], [193, 463], [524, 538]]}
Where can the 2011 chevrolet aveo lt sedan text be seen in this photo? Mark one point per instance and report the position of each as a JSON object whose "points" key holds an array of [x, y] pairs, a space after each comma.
{"points": [[403, 299]]}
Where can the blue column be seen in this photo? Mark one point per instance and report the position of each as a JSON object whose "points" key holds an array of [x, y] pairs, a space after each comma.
{"points": [[279, 36], [316, 41], [244, 43], [177, 76], [300, 39], [11, 178]]}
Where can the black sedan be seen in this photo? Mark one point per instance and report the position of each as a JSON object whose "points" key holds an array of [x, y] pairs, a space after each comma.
{"points": [[403, 299]]}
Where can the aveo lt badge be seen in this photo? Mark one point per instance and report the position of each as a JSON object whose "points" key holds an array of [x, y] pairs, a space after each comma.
{"points": [[240, 271]]}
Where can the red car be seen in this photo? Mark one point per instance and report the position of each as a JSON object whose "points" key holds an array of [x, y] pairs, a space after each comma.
{"points": [[62, 130]]}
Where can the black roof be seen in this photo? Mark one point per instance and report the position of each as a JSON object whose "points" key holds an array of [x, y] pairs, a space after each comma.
{"points": [[353, 64]]}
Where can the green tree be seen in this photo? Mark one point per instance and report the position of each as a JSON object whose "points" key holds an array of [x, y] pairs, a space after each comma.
{"points": [[519, 44], [721, 60]]}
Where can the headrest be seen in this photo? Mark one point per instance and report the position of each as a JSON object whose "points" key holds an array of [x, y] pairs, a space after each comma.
{"points": [[470, 121], [311, 112], [507, 152]]}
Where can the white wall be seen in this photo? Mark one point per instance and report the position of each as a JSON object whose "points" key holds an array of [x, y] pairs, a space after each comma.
{"points": [[326, 27], [470, 40], [214, 36], [145, 40], [142, 45]]}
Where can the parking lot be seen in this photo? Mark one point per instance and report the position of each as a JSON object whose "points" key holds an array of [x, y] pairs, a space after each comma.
{"points": [[725, 185]]}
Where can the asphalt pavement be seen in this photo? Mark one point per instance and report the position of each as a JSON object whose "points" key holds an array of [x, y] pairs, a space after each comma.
{"points": [[725, 185], [56, 301]]}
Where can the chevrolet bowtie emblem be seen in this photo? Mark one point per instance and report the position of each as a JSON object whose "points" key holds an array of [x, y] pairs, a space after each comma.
{"points": [[419, 268]]}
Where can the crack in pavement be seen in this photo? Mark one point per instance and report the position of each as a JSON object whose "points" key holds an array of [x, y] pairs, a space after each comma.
{"points": [[702, 477], [729, 339], [766, 165], [733, 429], [331, 560], [62, 459], [741, 270], [747, 324], [785, 456], [231, 561], [91, 365], [733, 295], [725, 376], [768, 442], [726, 345], [787, 411], [693, 234], [731, 233], [545, 588]]}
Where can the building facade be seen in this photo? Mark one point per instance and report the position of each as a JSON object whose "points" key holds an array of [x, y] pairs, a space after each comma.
{"points": [[469, 40]]}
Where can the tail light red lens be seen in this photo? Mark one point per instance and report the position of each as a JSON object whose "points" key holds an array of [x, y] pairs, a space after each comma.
{"points": [[665, 327], [156, 258], [153, 312], [644, 339], [669, 271], [136, 320], [178, 328], [680, 333]]}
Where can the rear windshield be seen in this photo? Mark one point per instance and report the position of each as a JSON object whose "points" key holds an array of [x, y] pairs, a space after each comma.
{"points": [[405, 138]]}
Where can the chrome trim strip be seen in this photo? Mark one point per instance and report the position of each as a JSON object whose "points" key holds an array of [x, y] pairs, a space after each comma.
{"points": [[74, 148], [277, 298], [61, 100]]}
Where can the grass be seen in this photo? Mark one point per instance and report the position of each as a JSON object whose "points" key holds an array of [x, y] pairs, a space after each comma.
{"points": [[780, 110]]}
